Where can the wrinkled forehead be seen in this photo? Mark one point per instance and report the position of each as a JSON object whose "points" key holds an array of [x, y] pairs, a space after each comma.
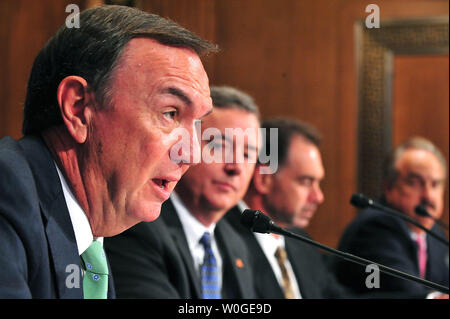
{"points": [[227, 119], [420, 162], [148, 56], [234, 127]]}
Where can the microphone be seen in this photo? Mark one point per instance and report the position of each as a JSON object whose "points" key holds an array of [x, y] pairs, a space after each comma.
{"points": [[362, 201], [420, 210], [258, 222]]}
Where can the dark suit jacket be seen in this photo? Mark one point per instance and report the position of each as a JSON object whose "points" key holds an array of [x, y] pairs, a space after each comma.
{"points": [[313, 277], [37, 241], [385, 239], [153, 260]]}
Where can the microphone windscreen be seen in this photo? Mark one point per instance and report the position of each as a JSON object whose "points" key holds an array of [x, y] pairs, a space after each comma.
{"points": [[421, 211], [359, 200], [256, 221], [248, 218]]}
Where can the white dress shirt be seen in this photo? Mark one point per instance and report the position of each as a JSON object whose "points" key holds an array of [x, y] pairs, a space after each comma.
{"points": [[80, 222], [269, 244], [194, 231]]}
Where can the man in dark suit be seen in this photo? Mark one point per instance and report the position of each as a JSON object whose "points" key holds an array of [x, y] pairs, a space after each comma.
{"points": [[284, 267], [414, 174], [102, 103], [167, 258]]}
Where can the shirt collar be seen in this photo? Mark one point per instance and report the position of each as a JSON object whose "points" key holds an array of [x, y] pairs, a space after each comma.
{"points": [[242, 206], [193, 229], [415, 236], [80, 222]]}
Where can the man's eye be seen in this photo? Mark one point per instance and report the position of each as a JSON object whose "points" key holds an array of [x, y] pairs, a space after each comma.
{"points": [[307, 182], [413, 182], [215, 145], [170, 114]]}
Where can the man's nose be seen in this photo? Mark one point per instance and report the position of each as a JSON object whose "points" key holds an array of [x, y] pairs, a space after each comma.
{"points": [[233, 168], [187, 149], [427, 193], [317, 194]]}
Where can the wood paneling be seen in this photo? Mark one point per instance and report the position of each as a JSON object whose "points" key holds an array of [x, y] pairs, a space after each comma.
{"points": [[421, 102], [295, 57], [26, 26], [198, 16]]}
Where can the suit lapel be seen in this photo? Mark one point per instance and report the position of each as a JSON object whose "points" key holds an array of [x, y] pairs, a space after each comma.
{"points": [[58, 227], [302, 260], [173, 223], [437, 258], [266, 284], [63, 248], [234, 280]]}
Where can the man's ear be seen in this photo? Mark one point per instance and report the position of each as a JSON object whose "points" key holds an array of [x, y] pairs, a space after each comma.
{"points": [[74, 97], [262, 182]]}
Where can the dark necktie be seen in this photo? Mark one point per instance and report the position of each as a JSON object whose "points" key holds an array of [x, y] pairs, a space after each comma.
{"points": [[209, 273]]}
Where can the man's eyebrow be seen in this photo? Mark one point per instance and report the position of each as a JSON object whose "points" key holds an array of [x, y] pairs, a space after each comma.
{"points": [[414, 175], [307, 177], [209, 112], [250, 147], [418, 176], [178, 93]]}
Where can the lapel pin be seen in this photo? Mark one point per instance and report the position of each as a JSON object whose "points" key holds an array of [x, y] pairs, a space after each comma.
{"points": [[239, 263]]}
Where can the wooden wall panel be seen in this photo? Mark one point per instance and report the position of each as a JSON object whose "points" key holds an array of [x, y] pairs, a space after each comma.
{"points": [[421, 102], [283, 55], [28, 25], [346, 99], [198, 16]]}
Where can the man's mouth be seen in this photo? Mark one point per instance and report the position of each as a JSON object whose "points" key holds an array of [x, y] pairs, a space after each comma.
{"points": [[225, 185], [162, 183]]}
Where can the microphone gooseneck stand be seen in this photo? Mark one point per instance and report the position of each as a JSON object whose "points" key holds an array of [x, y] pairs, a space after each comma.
{"points": [[362, 201], [420, 210], [258, 222]]}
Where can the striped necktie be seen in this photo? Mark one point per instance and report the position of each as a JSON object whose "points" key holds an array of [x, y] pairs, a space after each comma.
{"points": [[281, 256], [209, 273], [95, 280]]}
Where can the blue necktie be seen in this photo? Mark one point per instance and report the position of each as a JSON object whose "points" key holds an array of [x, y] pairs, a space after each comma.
{"points": [[209, 272]]}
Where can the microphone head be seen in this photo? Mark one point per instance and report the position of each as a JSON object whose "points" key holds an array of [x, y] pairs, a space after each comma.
{"points": [[360, 200], [421, 211], [256, 221]]}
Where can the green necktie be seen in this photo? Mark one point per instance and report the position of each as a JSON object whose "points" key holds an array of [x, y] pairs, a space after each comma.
{"points": [[95, 280]]}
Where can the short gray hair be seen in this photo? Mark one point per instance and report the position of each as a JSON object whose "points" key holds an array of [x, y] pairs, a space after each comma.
{"points": [[228, 97], [416, 142]]}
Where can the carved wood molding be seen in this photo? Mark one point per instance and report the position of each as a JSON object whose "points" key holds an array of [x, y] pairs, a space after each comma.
{"points": [[375, 51]]}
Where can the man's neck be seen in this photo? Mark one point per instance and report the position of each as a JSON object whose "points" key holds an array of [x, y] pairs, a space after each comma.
{"points": [[66, 155], [202, 210]]}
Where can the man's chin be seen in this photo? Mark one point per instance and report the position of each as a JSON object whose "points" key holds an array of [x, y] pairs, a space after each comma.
{"points": [[148, 213], [301, 222]]}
